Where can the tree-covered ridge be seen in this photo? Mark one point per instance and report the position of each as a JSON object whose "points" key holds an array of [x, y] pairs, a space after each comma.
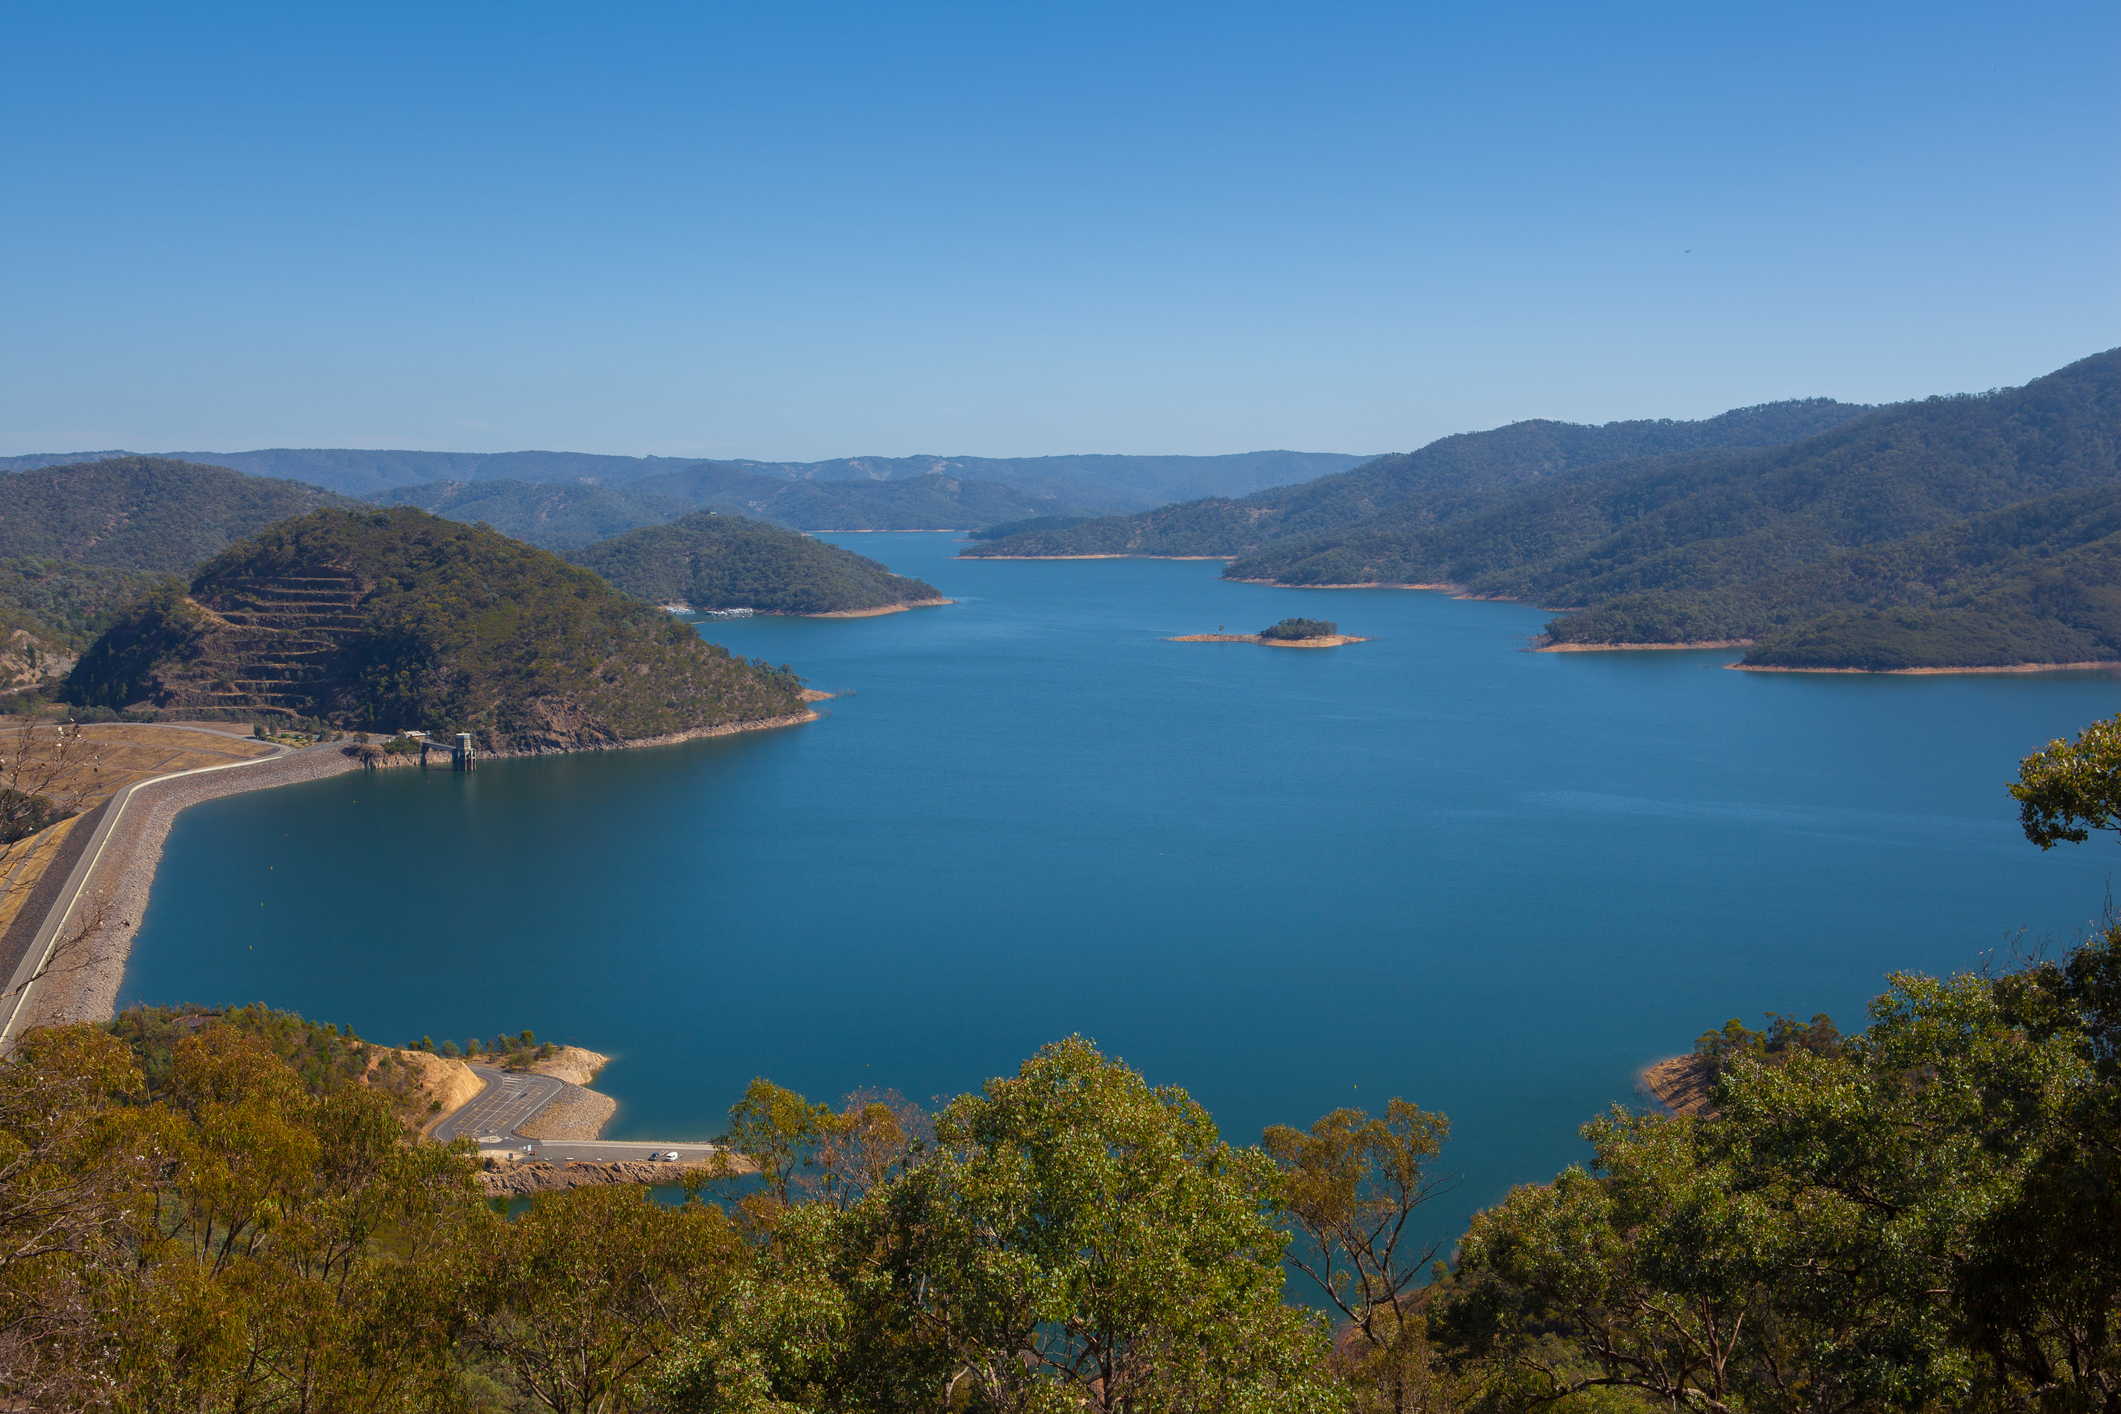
{"points": [[384, 619], [711, 561], [1117, 482], [932, 502], [549, 515], [78, 541], [1519, 454], [565, 517], [142, 513], [64, 603], [1959, 531]]}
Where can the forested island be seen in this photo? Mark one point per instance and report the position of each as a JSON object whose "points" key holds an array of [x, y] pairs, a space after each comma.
{"points": [[711, 561], [376, 619], [1289, 633]]}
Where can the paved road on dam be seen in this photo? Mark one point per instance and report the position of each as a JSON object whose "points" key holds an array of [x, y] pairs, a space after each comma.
{"points": [[493, 1116], [509, 1099]]}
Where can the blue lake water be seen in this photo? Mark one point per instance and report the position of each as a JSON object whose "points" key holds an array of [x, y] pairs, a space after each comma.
{"points": [[1433, 865]]}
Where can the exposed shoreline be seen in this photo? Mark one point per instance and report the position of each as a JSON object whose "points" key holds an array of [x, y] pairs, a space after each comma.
{"points": [[1642, 647], [1681, 1084], [1334, 640], [899, 608], [1934, 672], [1116, 555], [1458, 590], [674, 607]]}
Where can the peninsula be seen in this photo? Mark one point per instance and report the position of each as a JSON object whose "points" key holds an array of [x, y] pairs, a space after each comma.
{"points": [[382, 619], [710, 561]]}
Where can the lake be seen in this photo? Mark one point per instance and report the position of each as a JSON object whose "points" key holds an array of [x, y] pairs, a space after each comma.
{"points": [[1433, 865]]}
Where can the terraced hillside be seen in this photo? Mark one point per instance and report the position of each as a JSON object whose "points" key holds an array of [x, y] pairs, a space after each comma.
{"points": [[384, 620], [284, 647]]}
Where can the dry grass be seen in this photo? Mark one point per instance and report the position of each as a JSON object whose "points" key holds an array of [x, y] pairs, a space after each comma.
{"points": [[78, 769]]}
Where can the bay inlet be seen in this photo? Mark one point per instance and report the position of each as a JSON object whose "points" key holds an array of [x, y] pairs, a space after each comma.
{"points": [[1494, 882]]}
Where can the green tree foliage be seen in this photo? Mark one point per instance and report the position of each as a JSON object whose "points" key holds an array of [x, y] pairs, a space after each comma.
{"points": [[1083, 1240], [715, 561], [2073, 787], [65, 603], [23, 814], [1007, 528], [1298, 629], [1350, 1190], [1784, 1035]]}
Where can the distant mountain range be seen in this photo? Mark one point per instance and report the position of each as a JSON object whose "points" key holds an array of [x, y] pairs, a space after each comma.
{"points": [[1103, 483], [1447, 470], [1959, 531]]}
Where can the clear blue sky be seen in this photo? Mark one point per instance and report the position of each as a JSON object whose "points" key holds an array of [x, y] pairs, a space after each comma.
{"points": [[803, 230]]}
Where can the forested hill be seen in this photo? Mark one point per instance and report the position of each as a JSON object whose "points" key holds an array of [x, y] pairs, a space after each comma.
{"points": [[391, 619], [712, 561], [77, 541], [1898, 520], [1455, 466], [932, 502], [563, 517], [550, 515], [142, 513]]}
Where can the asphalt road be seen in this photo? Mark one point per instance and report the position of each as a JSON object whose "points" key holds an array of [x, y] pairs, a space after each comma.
{"points": [[509, 1099], [604, 1151]]}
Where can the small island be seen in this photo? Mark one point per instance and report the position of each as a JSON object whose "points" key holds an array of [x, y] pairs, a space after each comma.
{"points": [[1289, 633]]}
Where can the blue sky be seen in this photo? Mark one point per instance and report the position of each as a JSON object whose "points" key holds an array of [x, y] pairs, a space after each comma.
{"points": [[803, 231]]}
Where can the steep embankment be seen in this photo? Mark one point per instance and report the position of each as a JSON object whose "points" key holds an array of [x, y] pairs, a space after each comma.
{"points": [[711, 561], [391, 619], [1469, 464]]}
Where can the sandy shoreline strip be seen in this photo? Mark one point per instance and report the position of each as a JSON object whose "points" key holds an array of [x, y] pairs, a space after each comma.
{"points": [[1327, 641], [1117, 555], [1643, 647], [1934, 672], [1364, 584], [898, 608]]}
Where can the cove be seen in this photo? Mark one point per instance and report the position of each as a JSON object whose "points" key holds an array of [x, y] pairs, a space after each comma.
{"points": [[1434, 865]]}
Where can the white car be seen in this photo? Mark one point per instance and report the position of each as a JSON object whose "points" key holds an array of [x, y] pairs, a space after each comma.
{"points": [[671, 1157]]}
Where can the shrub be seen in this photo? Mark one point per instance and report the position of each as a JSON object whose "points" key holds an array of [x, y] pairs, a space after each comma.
{"points": [[1301, 628]]}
